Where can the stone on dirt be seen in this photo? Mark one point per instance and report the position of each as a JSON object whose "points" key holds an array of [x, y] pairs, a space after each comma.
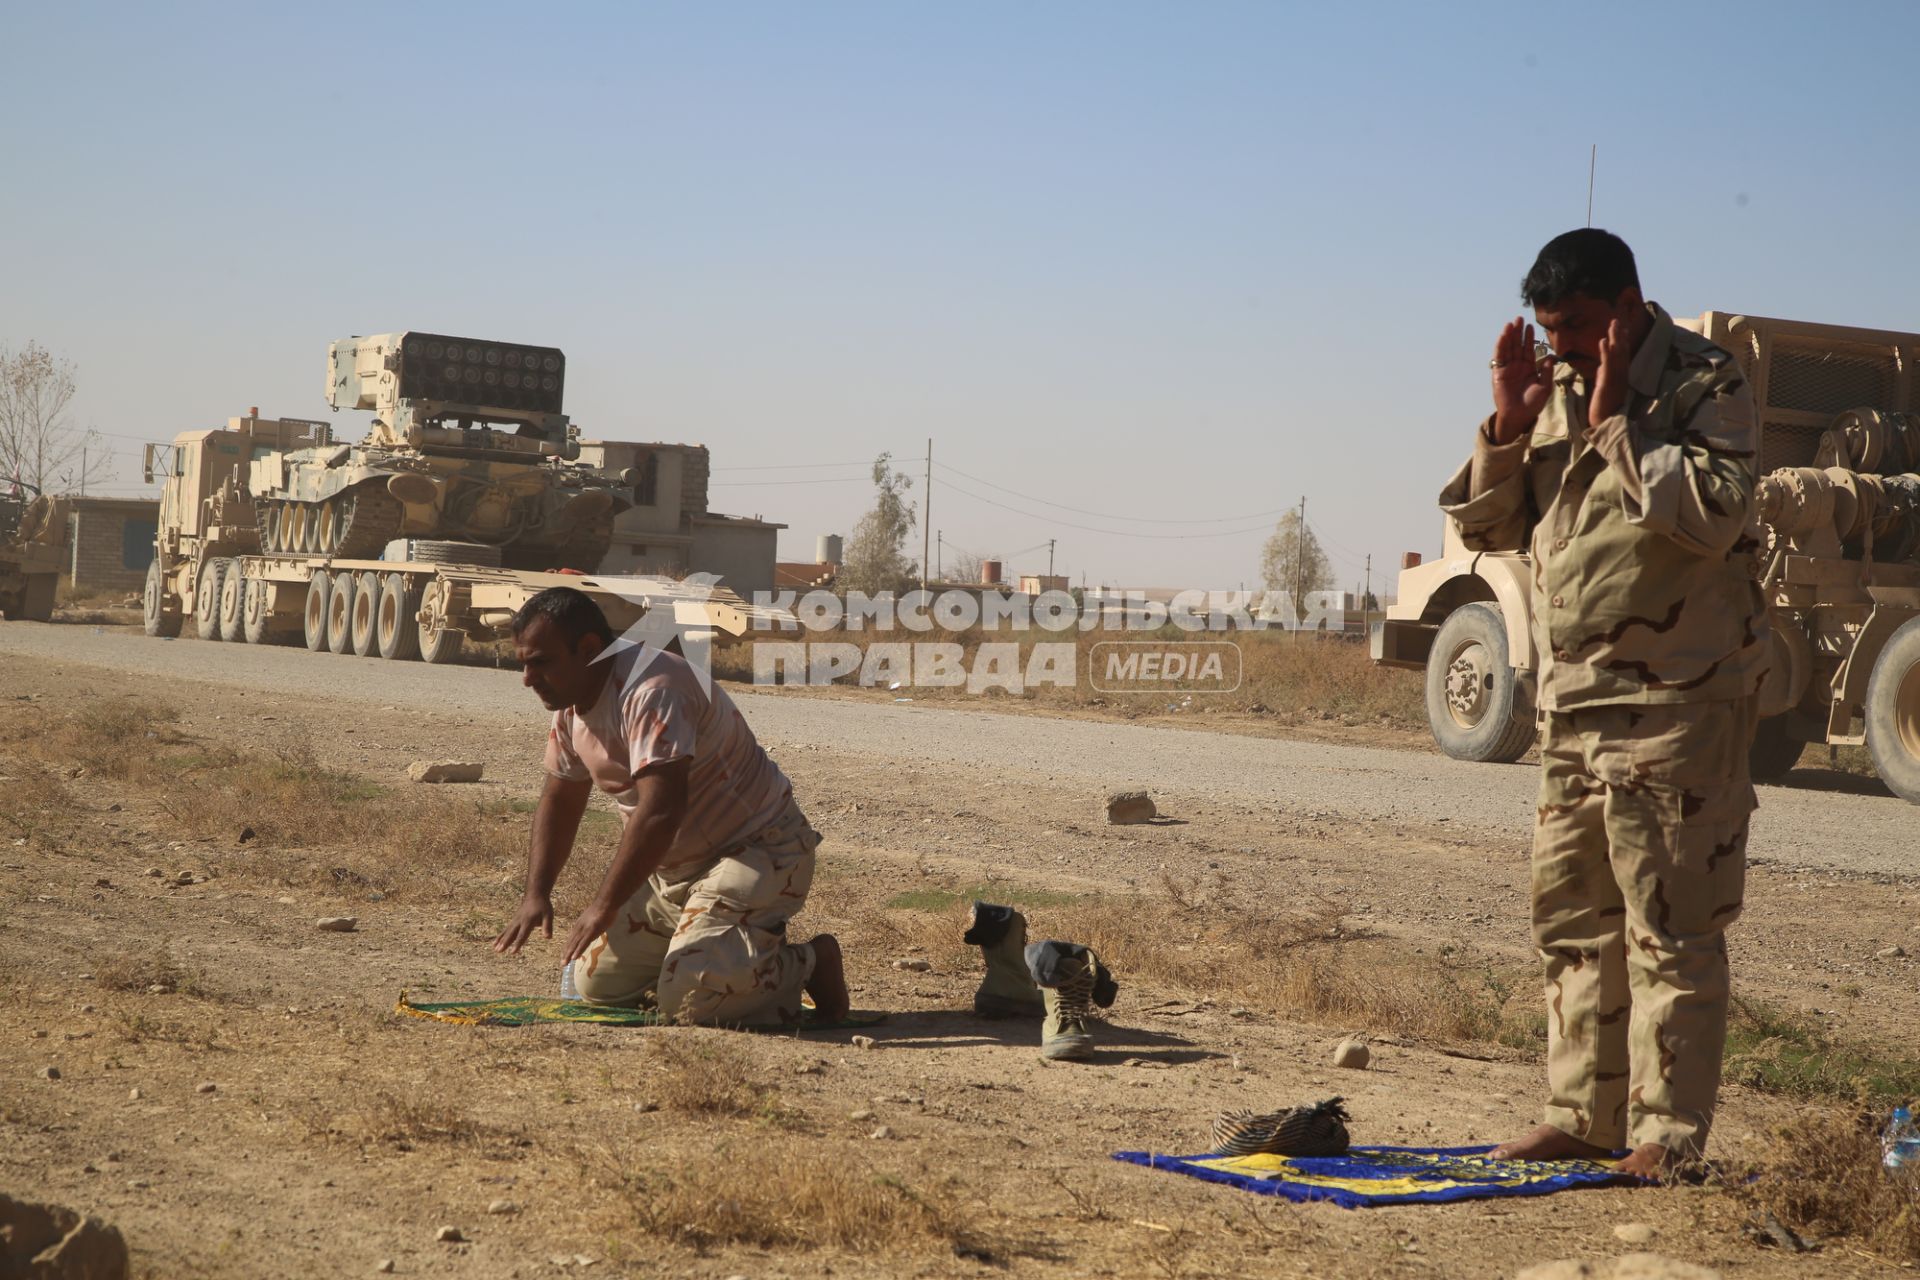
{"points": [[384, 1266], [1635, 1233], [1353, 1054], [1125, 808], [445, 770], [503, 1206], [206, 1086], [913, 966], [50, 1242], [862, 1042], [449, 1235], [337, 924], [49, 1073]]}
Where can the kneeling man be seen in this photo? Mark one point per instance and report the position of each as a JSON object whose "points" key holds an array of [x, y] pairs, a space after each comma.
{"points": [[714, 854]]}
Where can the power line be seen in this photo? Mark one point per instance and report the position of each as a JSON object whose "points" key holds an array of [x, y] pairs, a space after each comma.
{"points": [[1103, 515], [795, 466], [760, 484], [1112, 533]]}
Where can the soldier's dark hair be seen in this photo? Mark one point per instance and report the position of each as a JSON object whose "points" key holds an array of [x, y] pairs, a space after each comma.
{"points": [[1590, 261], [573, 612]]}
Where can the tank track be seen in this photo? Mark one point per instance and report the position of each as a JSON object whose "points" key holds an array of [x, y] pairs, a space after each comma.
{"points": [[373, 520]]}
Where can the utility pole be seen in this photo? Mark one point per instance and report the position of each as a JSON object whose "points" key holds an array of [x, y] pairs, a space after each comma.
{"points": [[1049, 557], [1299, 566], [926, 516], [940, 549], [83, 471], [1366, 598]]}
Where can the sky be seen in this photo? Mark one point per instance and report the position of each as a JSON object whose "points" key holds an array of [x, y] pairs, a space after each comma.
{"points": [[1146, 275]]}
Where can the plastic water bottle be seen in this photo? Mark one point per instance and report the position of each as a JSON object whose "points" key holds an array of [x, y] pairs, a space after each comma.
{"points": [[1900, 1145], [569, 992]]}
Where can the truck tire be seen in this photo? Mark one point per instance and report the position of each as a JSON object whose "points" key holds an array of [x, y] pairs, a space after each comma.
{"points": [[255, 619], [340, 612], [36, 598], [1893, 712], [366, 611], [440, 645], [396, 623], [314, 616], [1776, 749], [1474, 706], [156, 618], [206, 604], [233, 604]]}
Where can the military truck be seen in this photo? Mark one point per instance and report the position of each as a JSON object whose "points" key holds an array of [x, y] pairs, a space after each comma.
{"points": [[32, 527], [432, 529], [1839, 442]]}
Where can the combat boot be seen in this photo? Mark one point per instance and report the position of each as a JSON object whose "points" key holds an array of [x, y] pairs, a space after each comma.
{"points": [[1007, 990], [1072, 981]]}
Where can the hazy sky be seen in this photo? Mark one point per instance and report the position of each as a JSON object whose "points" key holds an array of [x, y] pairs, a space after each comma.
{"points": [[1162, 263]]}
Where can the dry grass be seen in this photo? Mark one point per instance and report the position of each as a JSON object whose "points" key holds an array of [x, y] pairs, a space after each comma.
{"points": [[1822, 1176], [145, 970], [311, 826], [1294, 678], [1302, 960], [709, 1076], [782, 1196]]}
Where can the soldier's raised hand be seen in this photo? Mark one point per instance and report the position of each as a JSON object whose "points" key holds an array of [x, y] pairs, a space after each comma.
{"points": [[1610, 380], [1521, 384]]}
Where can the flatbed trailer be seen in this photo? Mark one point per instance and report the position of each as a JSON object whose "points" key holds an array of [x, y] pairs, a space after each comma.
{"points": [[405, 610]]}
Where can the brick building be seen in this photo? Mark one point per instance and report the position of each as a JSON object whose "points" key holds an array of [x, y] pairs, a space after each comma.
{"points": [[109, 542]]}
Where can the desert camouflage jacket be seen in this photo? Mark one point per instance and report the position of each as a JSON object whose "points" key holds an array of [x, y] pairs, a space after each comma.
{"points": [[1643, 564]]}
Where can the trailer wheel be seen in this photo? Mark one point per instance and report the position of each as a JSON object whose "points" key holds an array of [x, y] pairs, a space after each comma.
{"points": [[253, 611], [1893, 712], [206, 605], [35, 600], [366, 608], [340, 612], [1474, 705], [441, 644], [319, 588], [233, 603], [395, 622], [1776, 749]]}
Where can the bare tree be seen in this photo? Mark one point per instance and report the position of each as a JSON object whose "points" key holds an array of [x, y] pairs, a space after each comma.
{"points": [[1293, 563], [965, 567], [38, 445], [876, 558]]}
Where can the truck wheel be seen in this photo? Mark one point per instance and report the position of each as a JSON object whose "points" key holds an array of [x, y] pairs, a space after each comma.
{"points": [[233, 604], [395, 623], [340, 612], [157, 619], [1776, 749], [366, 609], [440, 645], [36, 598], [1893, 712], [1472, 695], [206, 604], [255, 618], [319, 588]]}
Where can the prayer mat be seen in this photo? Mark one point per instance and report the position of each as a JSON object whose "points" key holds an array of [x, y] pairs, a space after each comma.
{"points": [[523, 1011], [1369, 1176]]}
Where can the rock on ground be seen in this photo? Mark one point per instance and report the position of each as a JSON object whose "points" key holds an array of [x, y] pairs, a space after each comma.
{"points": [[445, 770], [1125, 808], [1629, 1266], [48, 1242]]}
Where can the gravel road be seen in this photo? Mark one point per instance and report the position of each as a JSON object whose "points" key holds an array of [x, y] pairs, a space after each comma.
{"points": [[1796, 826]]}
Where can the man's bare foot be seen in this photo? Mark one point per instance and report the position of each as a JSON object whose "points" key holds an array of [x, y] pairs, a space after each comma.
{"points": [[1649, 1160], [1548, 1143], [828, 985]]}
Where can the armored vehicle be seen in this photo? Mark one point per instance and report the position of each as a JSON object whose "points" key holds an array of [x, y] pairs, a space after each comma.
{"points": [[1839, 501], [469, 445], [31, 529]]}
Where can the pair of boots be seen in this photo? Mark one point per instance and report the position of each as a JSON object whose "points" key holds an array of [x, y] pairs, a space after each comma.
{"points": [[1061, 981]]}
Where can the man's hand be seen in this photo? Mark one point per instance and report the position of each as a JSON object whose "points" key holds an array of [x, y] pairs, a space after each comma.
{"points": [[1521, 384], [536, 912], [593, 922], [1610, 381]]}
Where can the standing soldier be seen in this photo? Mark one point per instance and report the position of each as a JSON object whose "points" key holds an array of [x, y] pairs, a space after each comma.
{"points": [[1626, 457]]}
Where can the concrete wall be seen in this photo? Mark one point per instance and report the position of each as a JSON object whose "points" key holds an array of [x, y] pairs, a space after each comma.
{"points": [[109, 543], [740, 552]]}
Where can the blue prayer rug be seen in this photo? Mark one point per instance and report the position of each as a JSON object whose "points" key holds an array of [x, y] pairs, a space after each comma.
{"points": [[1369, 1176]]}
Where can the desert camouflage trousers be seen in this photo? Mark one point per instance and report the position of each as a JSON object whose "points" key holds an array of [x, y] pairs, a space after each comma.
{"points": [[1639, 866], [710, 945]]}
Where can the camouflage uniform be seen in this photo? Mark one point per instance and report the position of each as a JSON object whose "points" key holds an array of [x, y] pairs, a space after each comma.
{"points": [[1651, 632], [710, 946]]}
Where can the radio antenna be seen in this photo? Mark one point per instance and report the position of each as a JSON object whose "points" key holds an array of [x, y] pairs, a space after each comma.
{"points": [[1593, 156]]}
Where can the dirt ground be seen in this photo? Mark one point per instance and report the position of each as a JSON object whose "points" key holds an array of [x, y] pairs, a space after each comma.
{"points": [[260, 1110]]}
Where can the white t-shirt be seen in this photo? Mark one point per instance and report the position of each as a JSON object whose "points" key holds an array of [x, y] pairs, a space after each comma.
{"points": [[656, 713]]}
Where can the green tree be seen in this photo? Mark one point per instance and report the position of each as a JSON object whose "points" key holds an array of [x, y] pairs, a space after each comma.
{"points": [[876, 557]]}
